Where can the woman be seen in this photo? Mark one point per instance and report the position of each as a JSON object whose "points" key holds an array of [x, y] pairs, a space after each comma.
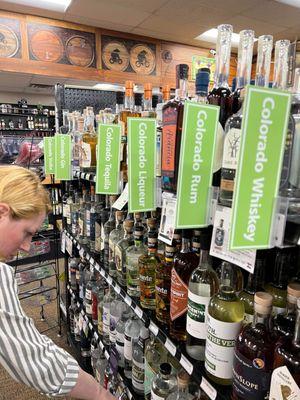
{"points": [[28, 356]]}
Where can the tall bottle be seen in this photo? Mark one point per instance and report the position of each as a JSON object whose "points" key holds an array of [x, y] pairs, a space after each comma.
{"points": [[155, 354], [221, 94], [203, 284], [147, 103], [120, 331], [77, 131], [138, 361], [171, 130], [109, 225], [201, 85], [89, 142], [184, 264], [132, 330], [253, 353], [132, 264], [233, 125], [114, 237], [224, 321]]}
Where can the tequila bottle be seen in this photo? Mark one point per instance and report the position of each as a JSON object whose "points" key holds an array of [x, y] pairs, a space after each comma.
{"points": [[203, 284], [132, 265], [89, 142], [155, 354], [233, 125], [138, 361], [253, 353], [164, 383], [120, 252], [224, 321], [114, 237], [132, 330]]}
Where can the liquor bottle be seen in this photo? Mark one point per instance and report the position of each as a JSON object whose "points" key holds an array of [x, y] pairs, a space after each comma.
{"points": [[138, 361], [132, 330], [154, 105], [182, 392], [117, 308], [253, 353], [171, 130], [76, 137], [108, 299], [164, 383], [288, 353], [220, 95], [184, 264], [155, 354], [82, 267], [75, 214], [203, 284], [148, 264], [88, 216], [99, 209], [201, 85], [119, 104], [277, 288], [101, 366], [163, 286], [77, 314], [120, 331], [72, 309], [284, 324], [255, 284], [224, 321], [177, 239], [89, 142], [138, 101], [147, 103], [233, 125], [88, 304], [132, 265], [100, 301], [85, 339], [159, 124], [81, 218], [109, 225], [114, 237], [120, 252]]}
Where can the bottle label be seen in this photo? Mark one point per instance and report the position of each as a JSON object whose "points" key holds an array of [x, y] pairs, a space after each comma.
{"points": [[111, 252], [231, 149], [156, 397], [88, 294], [250, 380], [102, 237], [88, 308], [86, 155], [220, 342], [106, 318], [132, 269], [168, 145], [118, 258], [112, 326], [127, 347], [97, 237], [219, 148], [179, 296], [138, 375], [197, 313], [80, 225], [284, 383], [278, 310], [149, 376]]}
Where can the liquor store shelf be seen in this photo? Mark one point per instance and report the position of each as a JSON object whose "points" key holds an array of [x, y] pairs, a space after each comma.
{"points": [[25, 129], [196, 369], [88, 176], [123, 380]]}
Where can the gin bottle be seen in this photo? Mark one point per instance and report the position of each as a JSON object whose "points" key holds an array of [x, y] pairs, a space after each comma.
{"points": [[132, 330], [120, 252], [132, 263], [138, 361], [114, 237], [164, 383]]}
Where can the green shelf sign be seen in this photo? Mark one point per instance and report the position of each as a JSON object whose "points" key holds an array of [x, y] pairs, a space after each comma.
{"points": [[49, 155], [63, 161]]}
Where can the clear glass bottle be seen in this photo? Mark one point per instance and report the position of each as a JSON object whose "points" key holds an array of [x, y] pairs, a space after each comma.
{"points": [[147, 103], [138, 101], [120, 331], [117, 308], [171, 130], [76, 133], [100, 300], [203, 284], [75, 214], [182, 392], [132, 330], [253, 353], [101, 366], [120, 252], [224, 321], [88, 304], [109, 225], [87, 217], [155, 354], [107, 300], [132, 264], [184, 264], [233, 125], [89, 142], [96, 223], [81, 218], [114, 237], [164, 383], [138, 361]]}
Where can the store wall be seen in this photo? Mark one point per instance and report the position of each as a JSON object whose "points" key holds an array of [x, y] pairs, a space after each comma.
{"points": [[14, 97]]}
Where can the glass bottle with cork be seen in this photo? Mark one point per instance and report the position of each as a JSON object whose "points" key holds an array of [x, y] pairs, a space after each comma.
{"points": [[89, 142], [114, 237], [120, 252], [147, 103]]}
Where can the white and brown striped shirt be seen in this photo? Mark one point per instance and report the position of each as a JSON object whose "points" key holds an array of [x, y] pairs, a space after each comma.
{"points": [[28, 356]]}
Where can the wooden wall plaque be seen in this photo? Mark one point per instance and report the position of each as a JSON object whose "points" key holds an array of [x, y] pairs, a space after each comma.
{"points": [[10, 38]]}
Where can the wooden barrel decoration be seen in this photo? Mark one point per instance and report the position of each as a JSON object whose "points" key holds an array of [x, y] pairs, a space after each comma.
{"points": [[9, 42], [79, 51], [46, 46], [142, 59], [115, 56]]}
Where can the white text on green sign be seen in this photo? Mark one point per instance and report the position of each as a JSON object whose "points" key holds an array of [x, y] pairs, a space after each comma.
{"points": [[63, 150], [108, 159], [49, 155], [200, 122], [264, 128], [142, 164]]}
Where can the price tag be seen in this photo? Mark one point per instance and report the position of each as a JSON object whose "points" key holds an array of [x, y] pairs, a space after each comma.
{"points": [[187, 365], [63, 243], [101, 345], [118, 289], [102, 272], [81, 252], [138, 311], [96, 335], [208, 389], [128, 300], [88, 257], [87, 177], [153, 328], [92, 261], [109, 280], [168, 216], [170, 347], [122, 199], [69, 246], [91, 326]]}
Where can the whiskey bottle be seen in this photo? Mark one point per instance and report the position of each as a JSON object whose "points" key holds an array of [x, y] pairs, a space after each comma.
{"points": [[163, 286], [164, 383], [155, 354], [171, 130], [148, 264], [184, 264], [254, 354], [89, 142], [114, 237], [132, 264], [233, 125], [288, 353], [220, 95], [203, 284], [224, 321], [120, 252], [138, 361], [255, 284]]}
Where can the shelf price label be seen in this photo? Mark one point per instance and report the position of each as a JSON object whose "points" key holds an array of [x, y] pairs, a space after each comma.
{"points": [[264, 128], [49, 155], [200, 123], [63, 160], [142, 164], [108, 159]]}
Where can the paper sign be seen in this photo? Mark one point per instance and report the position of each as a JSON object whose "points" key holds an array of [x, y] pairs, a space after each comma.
{"points": [[49, 155], [264, 128], [63, 157], [200, 123], [108, 159], [141, 164], [168, 216]]}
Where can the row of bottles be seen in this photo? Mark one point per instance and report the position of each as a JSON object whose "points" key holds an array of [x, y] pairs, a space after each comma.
{"points": [[31, 122]]}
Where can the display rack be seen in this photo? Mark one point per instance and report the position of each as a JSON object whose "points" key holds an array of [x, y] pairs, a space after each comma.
{"points": [[195, 369]]}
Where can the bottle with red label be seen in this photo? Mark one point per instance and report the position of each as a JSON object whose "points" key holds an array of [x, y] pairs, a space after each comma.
{"points": [[184, 264], [172, 117]]}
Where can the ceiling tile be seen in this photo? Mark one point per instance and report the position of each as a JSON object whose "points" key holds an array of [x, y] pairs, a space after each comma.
{"points": [[97, 23], [235, 6], [144, 5], [5, 5], [241, 22]]}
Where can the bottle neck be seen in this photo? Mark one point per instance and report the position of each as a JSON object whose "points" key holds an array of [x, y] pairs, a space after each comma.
{"points": [[223, 49], [263, 62], [281, 64], [129, 103], [181, 91], [263, 319], [185, 246], [128, 234], [138, 241], [201, 97], [204, 259], [147, 104], [227, 277], [244, 58], [291, 306], [296, 339]]}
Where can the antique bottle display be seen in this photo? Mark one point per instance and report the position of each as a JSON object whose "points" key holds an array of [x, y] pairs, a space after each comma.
{"points": [[253, 353], [133, 254], [224, 321], [164, 383], [138, 361], [203, 284], [233, 125], [155, 354], [114, 237]]}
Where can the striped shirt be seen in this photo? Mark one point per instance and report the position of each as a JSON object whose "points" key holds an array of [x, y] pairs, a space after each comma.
{"points": [[28, 356]]}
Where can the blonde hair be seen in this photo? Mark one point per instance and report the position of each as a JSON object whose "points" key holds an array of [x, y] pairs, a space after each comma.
{"points": [[22, 190]]}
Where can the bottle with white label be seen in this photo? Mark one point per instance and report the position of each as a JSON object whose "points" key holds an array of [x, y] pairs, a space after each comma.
{"points": [[164, 383], [138, 361], [107, 300], [224, 321], [203, 284], [120, 331], [132, 330]]}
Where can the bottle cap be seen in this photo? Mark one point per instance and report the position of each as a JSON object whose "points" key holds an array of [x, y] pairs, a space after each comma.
{"points": [[183, 378], [293, 292], [148, 91], [165, 369], [129, 85], [128, 224], [166, 92], [196, 232], [263, 302], [202, 80], [119, 215]]}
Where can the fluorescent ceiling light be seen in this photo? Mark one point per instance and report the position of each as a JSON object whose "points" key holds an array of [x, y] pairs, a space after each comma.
{"points": [[53, 5], [293, 3], [212, 34]]}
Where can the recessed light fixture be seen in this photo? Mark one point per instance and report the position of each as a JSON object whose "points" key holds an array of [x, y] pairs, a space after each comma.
{"points": [[293, 3], [212, 34], [53, 5]]}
